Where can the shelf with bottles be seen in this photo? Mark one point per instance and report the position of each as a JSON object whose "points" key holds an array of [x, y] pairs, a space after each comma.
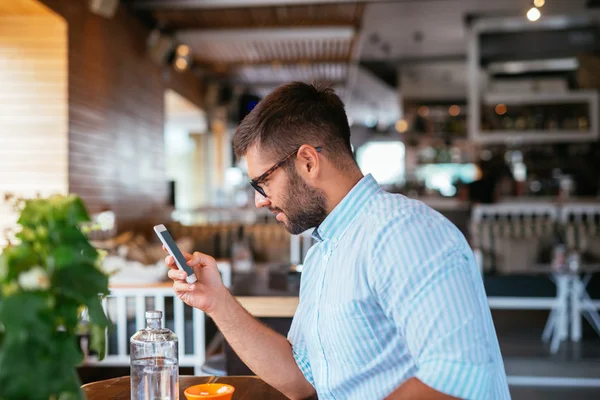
{"points": [[538, 117], [433, 152], [446, 120]]}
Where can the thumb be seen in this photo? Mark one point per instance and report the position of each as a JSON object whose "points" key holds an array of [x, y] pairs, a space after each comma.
{"points": [[201, 260]]}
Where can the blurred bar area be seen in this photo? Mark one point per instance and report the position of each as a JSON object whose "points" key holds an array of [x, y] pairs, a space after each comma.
{"points": [[487, 111]]}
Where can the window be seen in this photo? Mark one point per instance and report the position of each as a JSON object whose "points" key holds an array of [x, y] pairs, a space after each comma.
{"points": [[384, 160]]}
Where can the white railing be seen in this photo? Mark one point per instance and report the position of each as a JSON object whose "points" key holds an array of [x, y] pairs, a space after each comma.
{"points": [[503, 210], [116, 307], [120, 312]]}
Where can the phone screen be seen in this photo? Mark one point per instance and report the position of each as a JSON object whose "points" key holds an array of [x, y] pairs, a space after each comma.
{"points": [[180, 259]]}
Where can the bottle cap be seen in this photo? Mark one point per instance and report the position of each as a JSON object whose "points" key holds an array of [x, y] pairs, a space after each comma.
{"points": [[154, 314]]}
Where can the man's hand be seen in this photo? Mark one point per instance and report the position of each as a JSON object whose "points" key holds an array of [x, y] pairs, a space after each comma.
{"points": [[207, 291], [267, 353]]}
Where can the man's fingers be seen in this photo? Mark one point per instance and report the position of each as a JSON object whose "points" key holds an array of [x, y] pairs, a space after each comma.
{"points": [[170, 261], [177, 275], [182, 287]]}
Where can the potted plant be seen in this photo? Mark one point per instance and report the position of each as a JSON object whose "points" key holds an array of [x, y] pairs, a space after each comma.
{"points": [[46, 280]]}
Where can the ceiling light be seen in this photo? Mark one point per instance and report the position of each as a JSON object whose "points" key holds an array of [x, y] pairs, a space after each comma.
{"points": [[539, 3], [500, 109], [533, 14], [423, 111], [371, 121], [401, 126], [454, 110], [183, 50], [181, 64]]}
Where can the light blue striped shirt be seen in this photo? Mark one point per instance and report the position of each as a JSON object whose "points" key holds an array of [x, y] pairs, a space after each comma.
{"points": [[391, 291]]}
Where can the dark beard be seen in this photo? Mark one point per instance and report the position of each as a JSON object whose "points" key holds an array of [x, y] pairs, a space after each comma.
{"points": [[303, 205]]}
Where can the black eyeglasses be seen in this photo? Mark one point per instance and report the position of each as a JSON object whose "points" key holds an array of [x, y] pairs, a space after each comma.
{"points": [[255, 183]]}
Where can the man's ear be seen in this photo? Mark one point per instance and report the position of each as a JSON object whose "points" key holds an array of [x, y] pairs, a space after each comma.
{"points": [[308, 161]]}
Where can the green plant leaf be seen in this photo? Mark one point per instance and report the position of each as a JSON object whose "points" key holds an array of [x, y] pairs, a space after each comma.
{"points": [[33, 212], [27, 234], [98, 340], [84, 284], [19, 360], [63, 256], [97, 315], [18, 259], [3, 269], [65, 346], [66, 312], [28, 311], [80, 282], [73, 238], [76, 211]]}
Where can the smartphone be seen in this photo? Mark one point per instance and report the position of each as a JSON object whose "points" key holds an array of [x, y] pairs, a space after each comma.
{"points": [[167, 240]]}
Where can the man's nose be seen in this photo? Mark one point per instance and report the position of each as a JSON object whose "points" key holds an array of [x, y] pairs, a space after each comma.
{"points": [[260, 200]]}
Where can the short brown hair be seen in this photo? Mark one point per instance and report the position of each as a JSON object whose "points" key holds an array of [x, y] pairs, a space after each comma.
{"points": [[295, 114]]}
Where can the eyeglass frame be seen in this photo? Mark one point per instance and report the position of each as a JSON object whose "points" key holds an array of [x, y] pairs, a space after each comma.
{"points": [[256, 181]]}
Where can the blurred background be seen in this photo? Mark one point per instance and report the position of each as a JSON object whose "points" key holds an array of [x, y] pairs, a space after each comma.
{"points": [[486, 110]]}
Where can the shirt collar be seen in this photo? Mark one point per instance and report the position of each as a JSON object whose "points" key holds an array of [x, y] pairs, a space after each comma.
{"points": [[336, 223]]}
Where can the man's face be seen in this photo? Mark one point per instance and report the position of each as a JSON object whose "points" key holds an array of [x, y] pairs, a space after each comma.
{"points": [[297, 205]]}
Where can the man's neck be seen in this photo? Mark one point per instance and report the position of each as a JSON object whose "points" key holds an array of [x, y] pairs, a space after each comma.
{"points": [[338, 186]]}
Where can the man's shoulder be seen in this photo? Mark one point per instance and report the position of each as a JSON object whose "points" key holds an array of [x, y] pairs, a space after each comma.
{"points": [[398, 222], [386, 209]]}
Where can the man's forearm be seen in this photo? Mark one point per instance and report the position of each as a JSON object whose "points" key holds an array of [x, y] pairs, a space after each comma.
{"points": [[267, 353], [415, 389]]}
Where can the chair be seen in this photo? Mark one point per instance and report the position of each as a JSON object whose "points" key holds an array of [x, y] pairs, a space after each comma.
{"points": [[503, 233]]}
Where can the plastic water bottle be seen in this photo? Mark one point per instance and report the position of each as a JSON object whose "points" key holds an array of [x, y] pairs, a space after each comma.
{"points": [[154, 361]]}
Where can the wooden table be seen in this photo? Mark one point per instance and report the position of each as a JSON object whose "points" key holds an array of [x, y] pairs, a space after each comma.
{"points": [[246, 388]]}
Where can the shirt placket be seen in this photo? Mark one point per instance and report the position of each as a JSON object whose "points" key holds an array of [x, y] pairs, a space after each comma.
{"points": [[328, 248]]}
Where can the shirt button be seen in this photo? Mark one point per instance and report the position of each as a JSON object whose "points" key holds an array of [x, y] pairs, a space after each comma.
{"points": [[326, 257]]}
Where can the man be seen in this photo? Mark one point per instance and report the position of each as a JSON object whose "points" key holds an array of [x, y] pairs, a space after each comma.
{"points": [[391, 301]]}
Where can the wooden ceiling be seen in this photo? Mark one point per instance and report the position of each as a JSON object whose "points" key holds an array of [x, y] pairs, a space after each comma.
{"points": [[272, 75], [279, 47], [265, 43], [313, 15]]}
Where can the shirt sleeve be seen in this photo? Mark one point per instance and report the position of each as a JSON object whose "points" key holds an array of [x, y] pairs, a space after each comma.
{"points": [[427, 283], [296, 339]]}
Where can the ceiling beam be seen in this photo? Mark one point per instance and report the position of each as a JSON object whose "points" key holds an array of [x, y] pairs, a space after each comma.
{"points": [[270, 34], [206, 4], [275, 83], [275, 63], [324, 32]]}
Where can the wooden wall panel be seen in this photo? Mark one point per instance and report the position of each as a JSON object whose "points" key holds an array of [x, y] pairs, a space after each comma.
{"points": [[33, 104], [22, 7], [116, 115]]}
